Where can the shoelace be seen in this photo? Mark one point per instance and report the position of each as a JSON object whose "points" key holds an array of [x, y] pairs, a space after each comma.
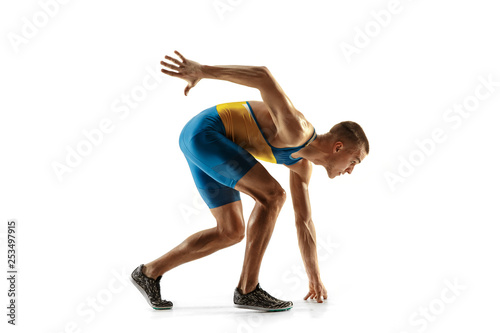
{"points": [[155, 289]]}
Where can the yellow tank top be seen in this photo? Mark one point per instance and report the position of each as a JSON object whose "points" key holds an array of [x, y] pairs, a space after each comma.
{"points": [[243, 129]]}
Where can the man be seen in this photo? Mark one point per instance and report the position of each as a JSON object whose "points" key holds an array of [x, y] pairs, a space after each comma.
{"points": [[221, 145]]}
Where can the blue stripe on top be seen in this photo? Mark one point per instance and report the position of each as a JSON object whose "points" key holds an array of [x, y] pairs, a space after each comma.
{"points": [[283, 155]]}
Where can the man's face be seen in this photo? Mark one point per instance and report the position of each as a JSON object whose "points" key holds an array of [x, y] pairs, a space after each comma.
{"points": [[343, 160]]}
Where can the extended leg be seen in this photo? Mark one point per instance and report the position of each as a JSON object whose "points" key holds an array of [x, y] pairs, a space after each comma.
{"points": [[229, 231]]}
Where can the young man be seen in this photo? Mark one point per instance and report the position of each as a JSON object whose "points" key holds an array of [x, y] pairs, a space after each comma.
{"points": [[221, 145]]}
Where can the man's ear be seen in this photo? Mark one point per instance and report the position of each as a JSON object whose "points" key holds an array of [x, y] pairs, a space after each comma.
{"points": [[338, 146]]}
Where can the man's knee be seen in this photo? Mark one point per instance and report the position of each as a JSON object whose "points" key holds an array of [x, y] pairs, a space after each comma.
{"points": [[274, 198], [232, 234]]}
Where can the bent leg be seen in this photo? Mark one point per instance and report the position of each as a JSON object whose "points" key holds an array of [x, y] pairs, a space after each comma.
{"points": [[229, 231], [217, 165], [269, 198]]}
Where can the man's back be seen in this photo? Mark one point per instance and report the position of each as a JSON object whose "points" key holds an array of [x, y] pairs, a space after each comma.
{"points": [[255, 131], [295, 131]]}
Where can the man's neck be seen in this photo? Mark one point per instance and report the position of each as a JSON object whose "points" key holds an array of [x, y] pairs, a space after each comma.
{"points": [[316, 152]]}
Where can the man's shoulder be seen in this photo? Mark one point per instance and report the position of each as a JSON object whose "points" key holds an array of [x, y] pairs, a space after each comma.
{"points": [[302, 168]]}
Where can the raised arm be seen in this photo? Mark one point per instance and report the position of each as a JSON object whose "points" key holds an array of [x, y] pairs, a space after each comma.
{"points": [[259, 77]]}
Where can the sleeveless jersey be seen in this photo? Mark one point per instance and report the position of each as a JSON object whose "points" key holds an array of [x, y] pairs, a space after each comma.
{"points": [[243, 129]]}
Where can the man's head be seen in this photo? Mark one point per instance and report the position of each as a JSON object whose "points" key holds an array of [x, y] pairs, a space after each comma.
{"points": [[348, 147]]}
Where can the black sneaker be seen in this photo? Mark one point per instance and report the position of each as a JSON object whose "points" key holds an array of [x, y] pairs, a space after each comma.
{"points": [[150, 289], [260, 300]]}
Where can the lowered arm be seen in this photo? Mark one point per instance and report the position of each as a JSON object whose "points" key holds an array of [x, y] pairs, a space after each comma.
{"points": [[300, 174]]}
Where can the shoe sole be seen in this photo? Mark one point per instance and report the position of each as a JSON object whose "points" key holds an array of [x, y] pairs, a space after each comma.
{"points": [[143, 293], [261, 308]]}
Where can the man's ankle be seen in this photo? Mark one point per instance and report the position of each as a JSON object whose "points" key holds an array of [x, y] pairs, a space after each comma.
{"points": [[149, 272], [246, 289]]}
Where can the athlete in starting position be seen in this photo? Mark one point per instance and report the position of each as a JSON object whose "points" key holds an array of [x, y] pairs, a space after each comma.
{"points": [[221, 145]]}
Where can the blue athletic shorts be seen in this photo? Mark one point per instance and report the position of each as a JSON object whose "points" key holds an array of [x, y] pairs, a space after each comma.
{"points": [[216, 162]]}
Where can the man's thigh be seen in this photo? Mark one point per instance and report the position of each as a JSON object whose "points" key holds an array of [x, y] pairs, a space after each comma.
{"points": [[214, 193], [259, 184], [216, 164]]}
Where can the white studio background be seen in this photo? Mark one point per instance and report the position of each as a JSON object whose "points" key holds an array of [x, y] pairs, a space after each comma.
{"points": [[407, 243]]}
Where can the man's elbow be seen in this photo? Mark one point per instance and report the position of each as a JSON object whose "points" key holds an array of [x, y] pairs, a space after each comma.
{"points": [[264, 75], [263, 70]]}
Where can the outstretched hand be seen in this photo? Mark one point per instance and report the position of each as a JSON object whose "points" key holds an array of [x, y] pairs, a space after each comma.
{"points": [[185, 69], [317, 291]]}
